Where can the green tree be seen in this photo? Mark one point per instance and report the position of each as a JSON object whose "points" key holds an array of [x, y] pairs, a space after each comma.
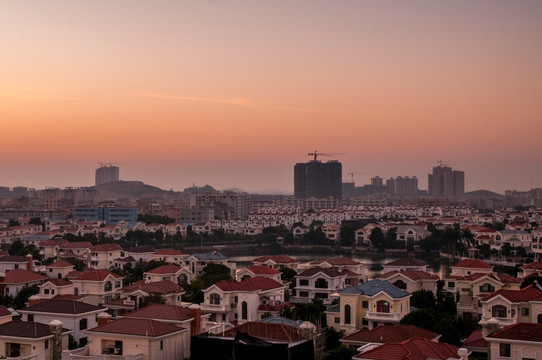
{"points": [[332, 337], [348, 234], [15, 247], [423, 299], [287, 274], [22, 297], [213, 273], [531, 279], [506, 249], [377, 238]]}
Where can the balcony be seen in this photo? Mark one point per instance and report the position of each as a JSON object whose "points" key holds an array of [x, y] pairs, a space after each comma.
{"points": [[383, 317], [502, 320], [215, 307]]}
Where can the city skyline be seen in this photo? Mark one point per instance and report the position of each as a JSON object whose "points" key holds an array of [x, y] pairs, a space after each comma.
{"points": [[234, 94]]}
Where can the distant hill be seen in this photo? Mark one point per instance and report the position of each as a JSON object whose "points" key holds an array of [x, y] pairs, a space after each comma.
{"points": [[483, 194], [194, 189], [132, 190]]}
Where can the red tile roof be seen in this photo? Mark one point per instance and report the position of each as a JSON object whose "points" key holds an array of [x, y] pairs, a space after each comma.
{"points": [[58, 306], [529, 293], [162, 312], [411, 274], [406, 262], [279, 259], [520, 331], [537, 265], [137, 327], [165, 269], [262, 270], [472, 264], [390, 334], [163, 287], [266, 331], [60, 264], [340, 261], [172, 252], [24, 329], [413, 349], [106, 247], [59, 282], [4, 311], [475, 340], [327, 271], [76, 245], [19, 276], [97, 275], [251, 284]]}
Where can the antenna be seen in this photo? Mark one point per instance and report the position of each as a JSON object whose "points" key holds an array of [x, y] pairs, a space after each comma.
{"points": [[357, 173]]}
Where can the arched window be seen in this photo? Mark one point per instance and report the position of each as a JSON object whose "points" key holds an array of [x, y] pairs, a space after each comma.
{"points": [[383, 306], [320, 283], [59, 276], [108, 286], [214, 299], [244, 310], [400, 284], [499, 311], [347, 314], [83, 324]]}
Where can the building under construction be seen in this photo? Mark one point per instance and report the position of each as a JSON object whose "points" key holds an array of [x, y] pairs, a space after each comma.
{"points": [[317, 179]]}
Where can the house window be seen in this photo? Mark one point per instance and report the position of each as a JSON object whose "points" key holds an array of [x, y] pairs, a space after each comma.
{"points": [[46, 291], [52, 291], [83, 323], [337, 320], [525, 311], [539, 319], [46, 344], [244, 310], [499, 311], [108, 286], [117, 284], [365, 304], [400, 284], [451, 284], [214, 299], [76, 291], [383, 306], [320, 283], [30, 317], [347, 314], [504, 350], [303, 294], [50, 270], [161, 344], [487, 288], [303, 282]]}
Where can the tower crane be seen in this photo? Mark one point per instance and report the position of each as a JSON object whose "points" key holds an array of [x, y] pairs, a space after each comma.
{"points": [[446, 162], [316, 154]]}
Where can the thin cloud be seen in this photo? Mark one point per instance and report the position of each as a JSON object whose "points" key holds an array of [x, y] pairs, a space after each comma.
{"points": [[231, 101], [44, 97]]}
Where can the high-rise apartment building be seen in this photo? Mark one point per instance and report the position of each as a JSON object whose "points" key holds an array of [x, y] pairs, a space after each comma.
{"points": [[445, 182], [402, 186], [106, 174], [317, 179]]}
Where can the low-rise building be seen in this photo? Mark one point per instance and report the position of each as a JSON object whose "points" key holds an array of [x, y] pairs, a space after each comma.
{"points": [[102, 256], [517, 341], [317, 282], [98, 286], [412, 280], [387, 334], [277, 262]]}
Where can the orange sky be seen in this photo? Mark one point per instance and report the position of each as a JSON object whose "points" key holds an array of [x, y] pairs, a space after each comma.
{"points": [[234, 93]]}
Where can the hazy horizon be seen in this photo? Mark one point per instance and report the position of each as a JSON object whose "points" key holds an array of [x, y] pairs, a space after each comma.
{"points": [[234, 93]]}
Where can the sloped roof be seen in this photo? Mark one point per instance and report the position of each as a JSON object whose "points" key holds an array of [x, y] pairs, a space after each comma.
{"points": [[266, 331], [106, 247], [406, 262], [162, 312], [165, 269], [142, 249], [209, 256], [412, 349], [373, 287], [390, 334], [158, 287], [97, 275], [4, 311], [60, 264], [340, 261], [520, 331], [279, 259], [528, 293], [59, 306], [327, 271], [19, 276], [282, 320], [76, 245], [262, 270], [411, 274], [472, 264], [137, 327], [536, 265], [58, 282], [171, 252], [476, 340], [25, 329], [13, 259], [250, 284]]}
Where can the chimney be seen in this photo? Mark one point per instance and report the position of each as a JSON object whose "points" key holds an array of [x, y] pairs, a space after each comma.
{"points": [[103, 318], [55, 328], [195, 311], [30, 264], [34, 300], [463, 354]]}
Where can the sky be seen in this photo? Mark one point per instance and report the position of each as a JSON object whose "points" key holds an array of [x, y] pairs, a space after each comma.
{"points": [[234, 93]]}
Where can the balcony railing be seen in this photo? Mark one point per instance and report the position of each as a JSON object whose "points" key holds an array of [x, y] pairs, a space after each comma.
{"points": [[381, 316]]}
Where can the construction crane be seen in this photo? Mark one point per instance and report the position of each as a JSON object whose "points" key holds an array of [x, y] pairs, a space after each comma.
{"points": [[102, 164], [316, 154], [357, 173], [446, 162]]}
